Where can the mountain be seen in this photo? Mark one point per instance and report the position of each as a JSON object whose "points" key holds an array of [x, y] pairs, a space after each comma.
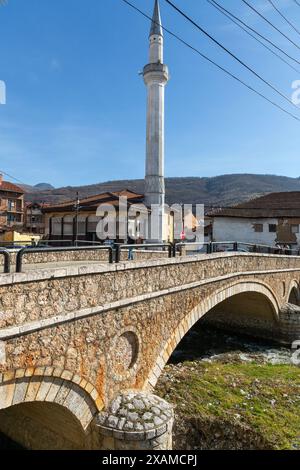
{"points": [[44, 186], [37, 188], [221, 190]]}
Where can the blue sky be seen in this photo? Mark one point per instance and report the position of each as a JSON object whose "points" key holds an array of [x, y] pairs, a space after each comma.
{"points": [[75, 111]]}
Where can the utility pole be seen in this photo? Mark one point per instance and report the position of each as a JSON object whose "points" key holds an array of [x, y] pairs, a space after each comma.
{"points": [[77, 208]]}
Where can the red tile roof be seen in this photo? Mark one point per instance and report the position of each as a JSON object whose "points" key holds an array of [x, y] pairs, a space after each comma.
{"points": [[283, 204], [7, 186], [41, 205], [89, 203]]}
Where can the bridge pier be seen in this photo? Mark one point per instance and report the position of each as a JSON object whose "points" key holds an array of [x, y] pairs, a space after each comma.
{"points": [[289, 323], [136, 421]]}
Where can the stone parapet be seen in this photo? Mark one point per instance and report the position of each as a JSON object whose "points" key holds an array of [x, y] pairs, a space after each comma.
{"points": [[82, 255]]}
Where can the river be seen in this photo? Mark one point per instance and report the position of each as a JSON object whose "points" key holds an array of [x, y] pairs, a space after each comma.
{"points": [[204, 343]]}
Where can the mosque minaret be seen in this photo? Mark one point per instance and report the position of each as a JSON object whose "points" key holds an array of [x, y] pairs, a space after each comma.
{"points": [[156, 76]]}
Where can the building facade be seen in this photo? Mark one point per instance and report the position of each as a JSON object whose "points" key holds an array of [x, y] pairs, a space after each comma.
{"points": [[35, 218], [11, 206], [78, 219], [268, 220]]}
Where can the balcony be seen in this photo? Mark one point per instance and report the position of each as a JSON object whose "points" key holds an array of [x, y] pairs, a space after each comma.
{"points": [[13, 210], [13, 223]]}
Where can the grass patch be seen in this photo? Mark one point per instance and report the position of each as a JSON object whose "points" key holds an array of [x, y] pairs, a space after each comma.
{"points": [[262, 398]]}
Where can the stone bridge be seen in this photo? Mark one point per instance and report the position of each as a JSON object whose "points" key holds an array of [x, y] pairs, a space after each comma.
{"points": [[82, 346]]}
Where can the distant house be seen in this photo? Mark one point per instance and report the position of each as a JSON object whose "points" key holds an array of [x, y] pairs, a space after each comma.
{"points": [[78, 220], [11, 206], [35, 218], [270, 219], [73, 220]]}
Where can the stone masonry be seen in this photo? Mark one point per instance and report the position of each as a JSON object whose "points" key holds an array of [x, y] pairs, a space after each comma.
{"points": [[79, 336], [137, 420]]}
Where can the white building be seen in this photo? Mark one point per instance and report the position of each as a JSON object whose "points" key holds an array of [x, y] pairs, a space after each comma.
{"points": [[267, 220]]}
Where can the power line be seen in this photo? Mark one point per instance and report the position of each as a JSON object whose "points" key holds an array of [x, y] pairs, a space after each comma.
{"points": [[12, 177], [271, 24], [220, 67], [202, 30], [283, 16], [297, 3], [237, 23], [256, 32]]}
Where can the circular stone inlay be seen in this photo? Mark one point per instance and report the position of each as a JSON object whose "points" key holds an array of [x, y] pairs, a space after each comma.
{"points": [[125, 353]]}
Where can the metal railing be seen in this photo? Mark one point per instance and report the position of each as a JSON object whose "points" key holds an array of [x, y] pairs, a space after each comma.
{"points": [[24, 251], [115, 251], [54, 242], [234, 246], [88, 243], [6, 255], [16, 244], [33, 243], [146, 246]]}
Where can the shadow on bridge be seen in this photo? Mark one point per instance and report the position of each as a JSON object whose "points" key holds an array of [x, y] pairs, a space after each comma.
{"points": [[40, 426]]}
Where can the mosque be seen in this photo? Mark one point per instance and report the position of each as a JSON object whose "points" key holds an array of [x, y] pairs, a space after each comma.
{"points": [[62, 223]]}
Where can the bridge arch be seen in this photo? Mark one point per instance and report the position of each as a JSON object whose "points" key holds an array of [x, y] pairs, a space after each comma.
{"points": [[294, 293], [61, 398], [205, 306]]}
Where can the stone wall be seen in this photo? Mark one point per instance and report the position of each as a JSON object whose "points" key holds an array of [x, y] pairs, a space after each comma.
{"points": [[82, 255], [110, 327], [40, 295], [114, 327]]}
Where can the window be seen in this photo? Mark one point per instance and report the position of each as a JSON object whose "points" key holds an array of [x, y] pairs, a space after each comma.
{"points": [[56, 226], [81, 225], [272, 228], [92, 224], [295, 228], [258, 228], [68, 222], [11, 205], [10, 218]]}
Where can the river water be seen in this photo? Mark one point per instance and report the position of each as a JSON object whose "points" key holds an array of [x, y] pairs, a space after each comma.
{"points": [[205, 343]]}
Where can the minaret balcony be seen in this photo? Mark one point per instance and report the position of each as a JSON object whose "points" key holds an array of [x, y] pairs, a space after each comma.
{"points": [[156, 73]]}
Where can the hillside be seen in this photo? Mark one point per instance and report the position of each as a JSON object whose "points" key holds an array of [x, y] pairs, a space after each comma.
{"points": [[216, 191], [37, 188]]}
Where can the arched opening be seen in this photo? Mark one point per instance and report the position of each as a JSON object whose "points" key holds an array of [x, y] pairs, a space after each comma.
{"points": [[294, 296], [234, 324], [48, 412], [41, 426], [247, 307], [215, 369], [250, 313]]}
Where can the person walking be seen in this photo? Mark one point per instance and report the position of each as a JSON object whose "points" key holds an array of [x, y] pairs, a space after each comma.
{"points": [[130, 250]]}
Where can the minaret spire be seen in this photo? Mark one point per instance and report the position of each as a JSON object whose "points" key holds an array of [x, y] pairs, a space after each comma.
{"points": [[156, 26], [156, 76]]}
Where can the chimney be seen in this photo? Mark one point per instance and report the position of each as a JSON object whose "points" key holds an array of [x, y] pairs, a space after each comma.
{"points": [[1, 179]]}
